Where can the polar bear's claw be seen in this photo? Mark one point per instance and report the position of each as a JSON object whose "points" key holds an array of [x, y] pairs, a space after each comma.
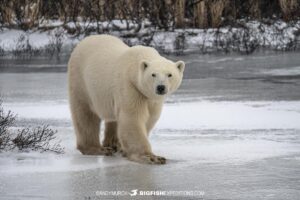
{"points": [[153, 159], [148, 159], [96, 151], [108, 151]]}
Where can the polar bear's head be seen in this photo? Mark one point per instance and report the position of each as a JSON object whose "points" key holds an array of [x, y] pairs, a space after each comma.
{"points": [[159, 78]]}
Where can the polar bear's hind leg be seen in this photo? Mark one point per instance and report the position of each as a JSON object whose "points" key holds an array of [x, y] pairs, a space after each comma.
{"points": [[87, 126]]}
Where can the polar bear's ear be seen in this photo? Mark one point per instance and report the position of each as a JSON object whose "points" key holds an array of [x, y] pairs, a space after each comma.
{"points": [[144, 65], [180, 65]]}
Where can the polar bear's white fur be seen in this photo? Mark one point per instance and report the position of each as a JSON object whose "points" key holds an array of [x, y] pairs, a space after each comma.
{"points": [[125, 87]]}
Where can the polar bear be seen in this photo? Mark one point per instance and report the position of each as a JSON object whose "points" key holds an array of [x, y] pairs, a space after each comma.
{"points": [[123, 86]]}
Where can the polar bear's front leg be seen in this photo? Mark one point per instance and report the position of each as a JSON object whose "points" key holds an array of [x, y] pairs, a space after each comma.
{"points": [[132, 133], [110, 136]]}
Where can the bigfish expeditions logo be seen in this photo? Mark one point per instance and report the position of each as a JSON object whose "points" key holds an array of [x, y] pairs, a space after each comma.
{"points": [[133, 192], [137, 192]]}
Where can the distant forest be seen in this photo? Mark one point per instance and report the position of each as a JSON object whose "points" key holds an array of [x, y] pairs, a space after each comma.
{"points": [[163, 14]]}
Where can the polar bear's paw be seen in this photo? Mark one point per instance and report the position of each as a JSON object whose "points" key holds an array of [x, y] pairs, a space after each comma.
{"points": [[108, 151], [114, 146], [148, 159], [153, 159], [97, 151]]}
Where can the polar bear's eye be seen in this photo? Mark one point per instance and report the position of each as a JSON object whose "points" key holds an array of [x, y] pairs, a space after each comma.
{"points": [[153, 75], [169, 75]]}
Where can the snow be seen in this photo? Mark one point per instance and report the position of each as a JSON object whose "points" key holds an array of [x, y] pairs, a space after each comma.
{"points": [[225, 115], [195, 115], [8, 38], [50, 23], [293, 71], [279, 36]]}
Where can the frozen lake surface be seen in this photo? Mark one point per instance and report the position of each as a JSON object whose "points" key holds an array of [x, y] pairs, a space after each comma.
{"points": [[232, 131]]}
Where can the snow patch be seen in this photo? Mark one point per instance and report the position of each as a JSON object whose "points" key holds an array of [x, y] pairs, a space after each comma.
{"points": [[293, 71], [195, 115]]}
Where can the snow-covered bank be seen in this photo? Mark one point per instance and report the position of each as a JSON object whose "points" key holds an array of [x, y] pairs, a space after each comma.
{"points": [[248, 37], [204, 115]]}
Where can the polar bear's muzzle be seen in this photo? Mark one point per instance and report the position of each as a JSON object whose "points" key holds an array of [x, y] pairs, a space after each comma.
{"points": [[161, 90]]}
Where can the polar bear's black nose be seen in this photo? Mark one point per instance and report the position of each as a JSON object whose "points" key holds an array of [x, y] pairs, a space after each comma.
{"points": [[161, 89]]}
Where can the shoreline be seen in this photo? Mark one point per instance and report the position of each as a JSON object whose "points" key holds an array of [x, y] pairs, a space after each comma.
{"points": [[250, 37]]}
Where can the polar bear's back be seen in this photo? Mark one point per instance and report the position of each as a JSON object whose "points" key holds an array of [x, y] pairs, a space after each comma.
{"points": [[101, 46], [96, 54], [103, 42], [91, 71]]}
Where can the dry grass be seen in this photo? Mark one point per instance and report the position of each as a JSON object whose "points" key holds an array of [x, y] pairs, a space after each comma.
{"points": [[179, 13], [216, 11], [288, 7], [255, 10], [164, 14], [201, 13]]}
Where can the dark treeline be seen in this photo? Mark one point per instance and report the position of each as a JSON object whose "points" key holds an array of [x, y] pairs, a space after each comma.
{"points": [[163, 14]]}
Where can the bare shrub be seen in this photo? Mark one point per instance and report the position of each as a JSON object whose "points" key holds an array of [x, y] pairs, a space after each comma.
{"points": [[36, 139], [24, 48], [40, 139], [7, 12], [6, 121], [209, 12], [179, 13], [254, 9], [2, 51], [288, 7], [31, 13], [216, 11], [164, 14], [244, 41], [180, 43], [56, 42], [201, 14]]}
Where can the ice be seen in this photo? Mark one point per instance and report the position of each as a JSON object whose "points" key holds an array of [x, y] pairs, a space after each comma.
{"points": [[44, 163], [231, 130], [178, 146]]}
